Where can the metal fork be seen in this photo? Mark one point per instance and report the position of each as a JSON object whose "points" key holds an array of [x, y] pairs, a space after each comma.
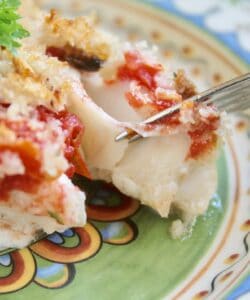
{"points": [[231, 96]]}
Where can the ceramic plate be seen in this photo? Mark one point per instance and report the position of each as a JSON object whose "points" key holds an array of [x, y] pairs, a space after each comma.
{"points": [[125, 251]]}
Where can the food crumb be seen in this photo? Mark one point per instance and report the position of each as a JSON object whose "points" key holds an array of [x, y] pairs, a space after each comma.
{"points": [[177, 229]]}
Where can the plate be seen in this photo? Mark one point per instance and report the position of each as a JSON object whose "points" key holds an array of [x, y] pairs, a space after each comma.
{"points": [[125, 251]]}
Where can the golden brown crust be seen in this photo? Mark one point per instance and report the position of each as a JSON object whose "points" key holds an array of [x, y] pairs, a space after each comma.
{"points": [[33, 78], [183, 85], [78, 33]]}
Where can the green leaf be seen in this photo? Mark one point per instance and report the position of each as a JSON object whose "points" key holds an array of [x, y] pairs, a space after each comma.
{"points": [[10, 30]]}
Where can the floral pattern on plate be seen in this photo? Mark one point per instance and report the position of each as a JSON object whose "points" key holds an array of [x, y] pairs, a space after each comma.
{"points": [[50, 263]]}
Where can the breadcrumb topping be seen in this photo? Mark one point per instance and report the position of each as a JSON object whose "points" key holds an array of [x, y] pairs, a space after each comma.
{"points": [[77, 33]]}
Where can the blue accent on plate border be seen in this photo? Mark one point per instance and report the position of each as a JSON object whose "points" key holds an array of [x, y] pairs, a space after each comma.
{"points": [[241, 290], [229, 39]]}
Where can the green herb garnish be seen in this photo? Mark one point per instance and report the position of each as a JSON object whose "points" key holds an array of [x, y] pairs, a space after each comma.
{"points": [[10, 30]]}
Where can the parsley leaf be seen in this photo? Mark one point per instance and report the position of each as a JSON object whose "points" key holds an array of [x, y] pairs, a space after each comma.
{"points": [[10, 30]]}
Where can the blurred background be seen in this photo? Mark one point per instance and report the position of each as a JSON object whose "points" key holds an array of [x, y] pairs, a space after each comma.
{"points": [[227, 20]]}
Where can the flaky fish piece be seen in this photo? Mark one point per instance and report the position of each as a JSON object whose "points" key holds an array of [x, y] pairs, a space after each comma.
{"points": [[174, 167], [39, 147]]}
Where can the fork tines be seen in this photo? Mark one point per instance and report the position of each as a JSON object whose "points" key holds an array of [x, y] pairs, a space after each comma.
{"points": [[231, 96]]}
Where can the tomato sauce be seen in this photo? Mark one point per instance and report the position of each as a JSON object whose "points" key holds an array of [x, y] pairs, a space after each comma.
{"points": [[202, 133], [203, 137], [72, 129], [145, 74], [29, 148], [135, 68]]}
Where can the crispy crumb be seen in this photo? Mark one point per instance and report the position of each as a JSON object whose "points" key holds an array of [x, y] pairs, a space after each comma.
{"points": [[184, 86], [77, 33]]}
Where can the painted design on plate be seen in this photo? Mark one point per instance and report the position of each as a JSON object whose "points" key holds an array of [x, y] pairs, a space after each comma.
{"points": [[234, 13], [237, 265], [228, 20], [50, 262]]}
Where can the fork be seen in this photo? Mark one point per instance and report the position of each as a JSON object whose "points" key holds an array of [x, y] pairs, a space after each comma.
{"points": [[231, 96]]}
